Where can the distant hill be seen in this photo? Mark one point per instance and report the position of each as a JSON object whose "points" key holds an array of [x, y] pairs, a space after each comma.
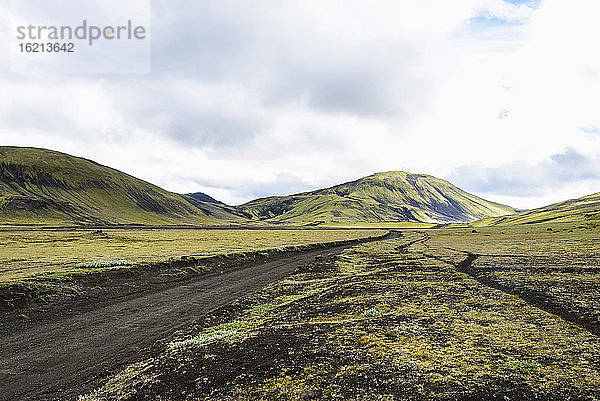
{"points": [[43, 186], [586, 208], [201, 196], [394, 196]]}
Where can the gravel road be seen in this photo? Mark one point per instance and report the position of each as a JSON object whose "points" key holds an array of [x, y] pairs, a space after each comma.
{"points": [[60, 359]]}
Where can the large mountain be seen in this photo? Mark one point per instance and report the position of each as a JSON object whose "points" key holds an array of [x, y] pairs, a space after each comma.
{"points": [[584, 209], [383, 197], [43, 186]]}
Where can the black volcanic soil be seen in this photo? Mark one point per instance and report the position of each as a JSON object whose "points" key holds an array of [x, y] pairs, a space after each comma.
{"points": [[396, 319], [108, 320], [406, 323]]}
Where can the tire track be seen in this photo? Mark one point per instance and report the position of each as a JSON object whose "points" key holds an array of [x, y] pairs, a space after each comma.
{"points": [[535, 298], [532, 297]]}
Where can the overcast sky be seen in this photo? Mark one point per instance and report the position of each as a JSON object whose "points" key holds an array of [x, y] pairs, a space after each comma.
{"points": [[254, 98]]}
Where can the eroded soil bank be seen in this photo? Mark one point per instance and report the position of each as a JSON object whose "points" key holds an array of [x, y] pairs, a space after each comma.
{"points": [[45, 299]]}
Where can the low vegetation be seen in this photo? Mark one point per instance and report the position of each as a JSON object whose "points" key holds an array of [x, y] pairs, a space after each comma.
{"points": [[554, 267], [397, 319], [37, 253], [97, 264]]}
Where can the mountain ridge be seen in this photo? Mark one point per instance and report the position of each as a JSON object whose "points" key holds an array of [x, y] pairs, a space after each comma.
{"points": [[582, 209], [44, 186], [39, 185], [391, 196]]}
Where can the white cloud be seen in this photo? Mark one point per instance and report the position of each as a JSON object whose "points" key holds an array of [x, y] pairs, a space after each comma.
{"points": [[506, 11], [251, 98]]}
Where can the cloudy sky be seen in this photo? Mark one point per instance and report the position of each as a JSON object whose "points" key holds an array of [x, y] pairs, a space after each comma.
{"points": [[254, 98]]}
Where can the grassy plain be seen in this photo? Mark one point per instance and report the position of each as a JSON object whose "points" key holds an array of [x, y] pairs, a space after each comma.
{"points": [[31, 253], [418, 317]]}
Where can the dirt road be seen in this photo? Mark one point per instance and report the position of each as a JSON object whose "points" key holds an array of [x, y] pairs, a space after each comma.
{"points": [[61, 359]]}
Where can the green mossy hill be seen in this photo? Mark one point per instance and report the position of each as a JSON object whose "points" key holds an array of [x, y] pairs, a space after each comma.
{"points": [[394, 196], [201, 196], [584, 209], [40, 186]]}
